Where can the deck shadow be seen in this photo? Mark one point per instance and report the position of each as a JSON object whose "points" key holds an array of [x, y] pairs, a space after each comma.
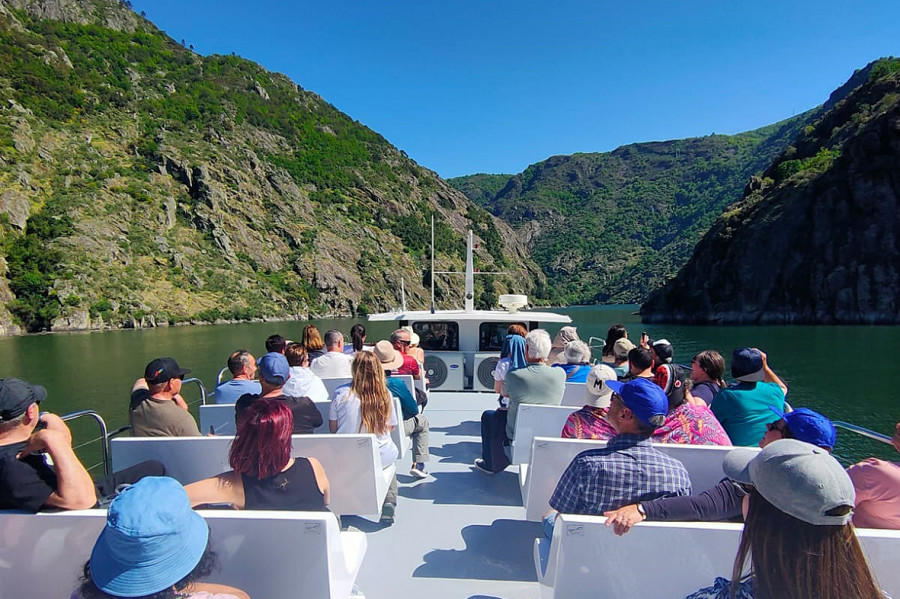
{"points": [[467, 488], [470, 428], [501, 551], [360, 523], [461, 452]]}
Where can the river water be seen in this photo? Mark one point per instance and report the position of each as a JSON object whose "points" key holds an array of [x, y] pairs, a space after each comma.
{"points": [[842, 371]]}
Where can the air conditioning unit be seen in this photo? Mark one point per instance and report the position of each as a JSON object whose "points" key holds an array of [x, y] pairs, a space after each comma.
{"points": [[484, 372], [445, 370]]}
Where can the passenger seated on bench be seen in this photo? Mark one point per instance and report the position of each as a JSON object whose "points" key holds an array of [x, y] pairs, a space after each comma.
{"points": [[628, 468], [242, 367], [558, 346], [365, 406], [276, 343], [723, 502], [312, 341], [536, 383], [415, 424], [590, 421], [153, 545], [274, 372], [303, 382], [686, 422], [27, 482], [640, 364], [264, 476], [620, 357], [615, 332], [334, 364], [157, 408], [577, 363], [797, 534], [877, 484]]}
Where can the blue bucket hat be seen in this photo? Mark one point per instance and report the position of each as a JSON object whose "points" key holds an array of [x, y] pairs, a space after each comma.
{"points": [[809, 426], [643, 397], [152, 539], [274, 368]]}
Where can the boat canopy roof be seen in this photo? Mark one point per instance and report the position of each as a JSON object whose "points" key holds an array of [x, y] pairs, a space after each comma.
{"points": [[471, 315]]}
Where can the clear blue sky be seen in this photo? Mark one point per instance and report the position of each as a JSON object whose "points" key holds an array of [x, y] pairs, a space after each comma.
{"points": [[467, 86]]}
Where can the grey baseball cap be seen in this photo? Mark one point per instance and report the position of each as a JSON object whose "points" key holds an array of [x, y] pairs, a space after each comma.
{"points": [[800, 479]]}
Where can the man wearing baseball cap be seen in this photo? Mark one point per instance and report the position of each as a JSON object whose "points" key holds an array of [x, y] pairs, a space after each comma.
{"points": [[157, 409], [628, 469], [274, 371], [743, 408], [723, 501], [27, 481]]}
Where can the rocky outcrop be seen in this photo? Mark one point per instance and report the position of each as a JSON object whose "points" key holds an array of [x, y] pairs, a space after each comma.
{"points": [[819, 242]]}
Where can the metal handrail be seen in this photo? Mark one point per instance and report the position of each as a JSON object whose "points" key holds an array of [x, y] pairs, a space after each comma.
{"points": [[104, 439], [219, 376], [202, 389], [863, 431]]}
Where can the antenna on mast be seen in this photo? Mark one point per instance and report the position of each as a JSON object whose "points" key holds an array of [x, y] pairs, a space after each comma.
{"points": [[402, 295], [432, 263]]}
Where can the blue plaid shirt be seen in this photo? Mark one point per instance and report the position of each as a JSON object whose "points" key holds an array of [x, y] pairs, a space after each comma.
{"points": [[627, 470]]}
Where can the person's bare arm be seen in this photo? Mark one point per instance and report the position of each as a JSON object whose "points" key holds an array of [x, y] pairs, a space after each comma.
{"points": [[75, 489], [498, 386], [333, 425], [216, 589], [321, 479], [141, 383], [896, 438], [770, 375], [623, 518], [222, 488]]}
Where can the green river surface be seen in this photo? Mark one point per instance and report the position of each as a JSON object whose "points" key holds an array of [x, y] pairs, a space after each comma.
{"points": [[96, 370]]}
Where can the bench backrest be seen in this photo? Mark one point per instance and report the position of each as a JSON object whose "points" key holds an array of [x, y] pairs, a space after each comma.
{"points": [[585, 553], [352, 463], [574, 395], [533, 420], [220, 417], [550, 458], [298, 552]]}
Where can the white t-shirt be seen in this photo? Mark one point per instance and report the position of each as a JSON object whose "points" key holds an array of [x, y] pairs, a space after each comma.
{"points": [[304, 383], [500, 374], [332, 365], [345, 409]]}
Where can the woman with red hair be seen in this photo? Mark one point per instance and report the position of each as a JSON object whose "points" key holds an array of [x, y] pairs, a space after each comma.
{"points": [[264, 476]]}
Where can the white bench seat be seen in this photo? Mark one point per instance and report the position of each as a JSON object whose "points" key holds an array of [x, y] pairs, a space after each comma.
{"points": [[220, 419], [270, 555], [551, 456], [585, 557], [535, 420], [352, 463]]}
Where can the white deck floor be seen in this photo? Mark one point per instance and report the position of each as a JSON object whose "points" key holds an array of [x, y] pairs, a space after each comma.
{"points": [[459, 533]]}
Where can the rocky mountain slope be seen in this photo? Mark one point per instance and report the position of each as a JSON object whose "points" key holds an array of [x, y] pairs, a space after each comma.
{"points": [[611, 227], [142, 184], [817, 238]]}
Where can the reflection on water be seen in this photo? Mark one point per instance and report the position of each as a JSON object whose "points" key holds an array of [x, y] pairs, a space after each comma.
{"points": [[843, 371]]}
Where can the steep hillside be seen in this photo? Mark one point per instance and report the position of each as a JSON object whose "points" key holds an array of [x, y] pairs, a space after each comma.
{"points": [[142, 184], [817, 239], [611, 227]]}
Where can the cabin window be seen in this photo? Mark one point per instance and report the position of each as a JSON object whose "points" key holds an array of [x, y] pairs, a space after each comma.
{"points": [[491, 335], [437, 336]]}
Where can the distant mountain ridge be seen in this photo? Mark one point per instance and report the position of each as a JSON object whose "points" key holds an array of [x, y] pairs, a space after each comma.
{"points": [[144, 185], [817, 238], [611, 227]]}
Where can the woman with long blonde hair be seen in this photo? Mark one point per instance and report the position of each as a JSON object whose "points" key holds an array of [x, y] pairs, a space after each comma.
{"points": [[365, 406]]}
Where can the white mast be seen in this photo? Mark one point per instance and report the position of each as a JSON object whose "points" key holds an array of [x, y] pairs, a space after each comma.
{"points": [[470, 275], [432, 264]]}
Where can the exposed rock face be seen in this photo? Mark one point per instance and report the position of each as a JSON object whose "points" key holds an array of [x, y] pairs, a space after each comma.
{"points": [[822, 245]]}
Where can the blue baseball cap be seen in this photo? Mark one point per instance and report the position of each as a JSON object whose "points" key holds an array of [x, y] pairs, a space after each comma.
{"points": [[152, 539], [274, 368], [809, 426], [643, 397]]}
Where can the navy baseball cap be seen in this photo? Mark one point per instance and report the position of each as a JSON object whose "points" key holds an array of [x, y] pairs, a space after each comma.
{"points": [[643, 397], [747, 365], [15, 397], [809, 426], [274, 368]]}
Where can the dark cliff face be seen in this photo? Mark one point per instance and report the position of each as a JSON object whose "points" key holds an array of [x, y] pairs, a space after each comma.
{"points": [[817, 240]]}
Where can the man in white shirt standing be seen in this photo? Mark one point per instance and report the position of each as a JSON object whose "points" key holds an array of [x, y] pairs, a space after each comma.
{"points": [[335, 364]]}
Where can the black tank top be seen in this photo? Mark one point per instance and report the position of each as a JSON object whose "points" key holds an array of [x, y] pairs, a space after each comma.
{"points": [[293, 489]]}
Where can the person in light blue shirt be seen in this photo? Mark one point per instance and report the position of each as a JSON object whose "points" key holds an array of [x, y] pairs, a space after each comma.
{"points": [[243, 372], [578, 361]]}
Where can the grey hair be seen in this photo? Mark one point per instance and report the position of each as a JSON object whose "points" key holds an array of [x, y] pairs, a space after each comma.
{"points": [[8, 425], [537, 344], [239, 360], [332, 338], [577, 352], [395, 336]]}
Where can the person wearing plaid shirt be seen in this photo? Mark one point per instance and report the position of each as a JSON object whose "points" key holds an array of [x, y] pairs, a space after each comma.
{"points": [[628, 469]]}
